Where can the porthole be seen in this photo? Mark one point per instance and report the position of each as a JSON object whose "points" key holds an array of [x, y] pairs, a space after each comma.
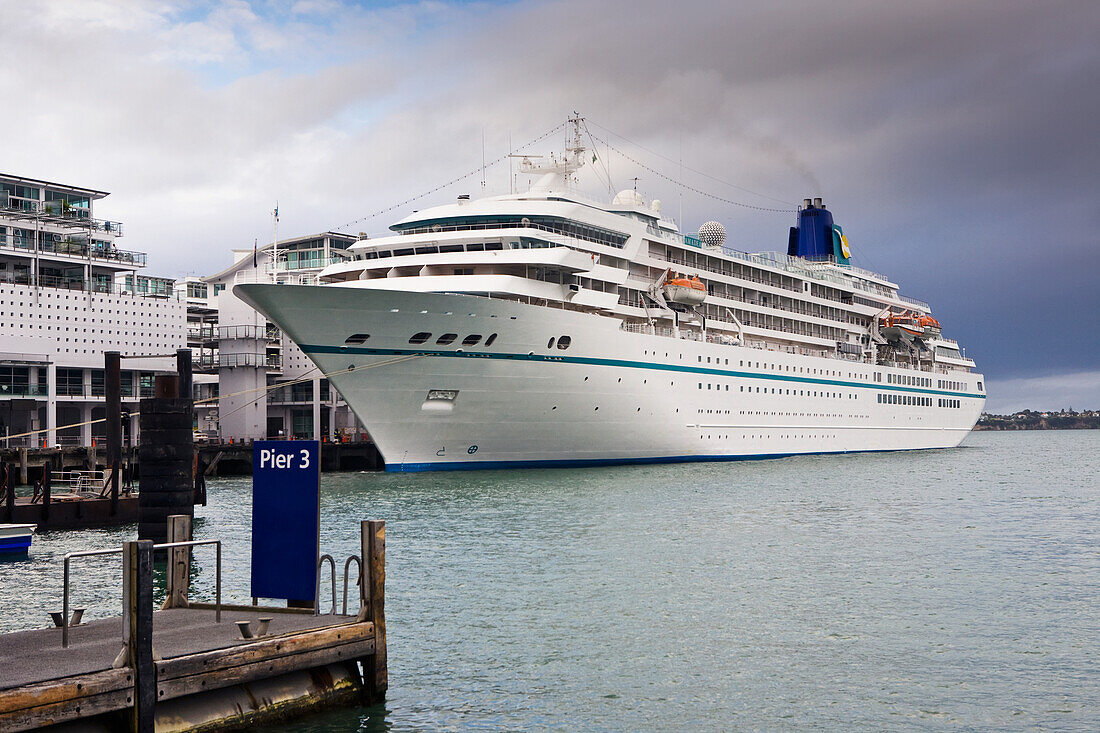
{"points": [[472, 339], [419, 338], [446, 338], [356, 338], [564, 342], [489, 341], [550, 343]]}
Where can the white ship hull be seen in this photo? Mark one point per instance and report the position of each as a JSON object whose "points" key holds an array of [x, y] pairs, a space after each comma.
{"points": [[612, 396]]}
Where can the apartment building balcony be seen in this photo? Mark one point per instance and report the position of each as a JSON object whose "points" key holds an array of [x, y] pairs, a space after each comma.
{"points": [[272, 362], [254, 333], [74, 248], [56, 213]]}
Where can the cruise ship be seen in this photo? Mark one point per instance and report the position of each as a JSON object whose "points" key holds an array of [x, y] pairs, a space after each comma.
{"points": [[548, 329]]}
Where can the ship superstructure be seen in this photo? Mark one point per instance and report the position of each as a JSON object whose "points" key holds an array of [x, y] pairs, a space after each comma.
{"points": [[545, 328]]}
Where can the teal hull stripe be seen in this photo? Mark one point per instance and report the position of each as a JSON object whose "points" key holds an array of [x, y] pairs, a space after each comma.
{"points": [[321, 349]]}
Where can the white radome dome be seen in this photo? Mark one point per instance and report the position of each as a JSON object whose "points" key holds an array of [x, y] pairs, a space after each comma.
{"points": [[628, 197], [712, 234]]}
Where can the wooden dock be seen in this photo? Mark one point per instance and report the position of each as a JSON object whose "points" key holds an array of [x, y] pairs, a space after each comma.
{"points": [[181, 669]]}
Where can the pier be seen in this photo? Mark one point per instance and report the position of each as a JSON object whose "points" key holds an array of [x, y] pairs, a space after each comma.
{"points": [[192, 666], [217, 459]]}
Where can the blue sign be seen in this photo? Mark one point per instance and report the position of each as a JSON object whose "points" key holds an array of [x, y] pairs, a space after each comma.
{"points": [[286, 518]]}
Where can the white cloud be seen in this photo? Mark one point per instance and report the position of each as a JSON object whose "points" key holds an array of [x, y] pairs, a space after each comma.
{"points": [[1080, 391]]}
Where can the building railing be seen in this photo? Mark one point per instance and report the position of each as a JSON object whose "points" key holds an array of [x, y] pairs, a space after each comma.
{"points": [[57, 212], [23, 390], [98, 391], [265, 361], [74, 249], [97, 286]]}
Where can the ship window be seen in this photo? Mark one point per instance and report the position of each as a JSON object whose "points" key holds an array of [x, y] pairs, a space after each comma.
{"points": [[475, 247], [357, 338], [419, 338], [494, 245], [402, 252], [464, 270], [564, 342], [446, 339], [489, 341], [471, 340], [450, 248], [550, 343]]}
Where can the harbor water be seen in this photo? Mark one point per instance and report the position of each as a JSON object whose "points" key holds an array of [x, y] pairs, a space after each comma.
{"points": [[939, 590]]}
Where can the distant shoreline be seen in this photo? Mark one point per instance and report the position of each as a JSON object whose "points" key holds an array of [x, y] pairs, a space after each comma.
{"points": [[1032, 420]]}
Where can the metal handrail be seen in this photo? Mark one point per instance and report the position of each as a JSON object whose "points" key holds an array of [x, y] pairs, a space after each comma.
{"points": [[317, 593], [347, 568], [118, 551]]}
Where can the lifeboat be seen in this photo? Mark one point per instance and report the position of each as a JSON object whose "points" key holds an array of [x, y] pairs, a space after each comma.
{"points": [[680, 289], [929, 325], [895, 325]]}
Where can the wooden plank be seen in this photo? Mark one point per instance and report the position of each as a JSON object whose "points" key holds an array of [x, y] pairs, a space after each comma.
{"points": [[67, 710], [268, 648], [64, 689], [179, 562], [375, 672], [216, 678]]}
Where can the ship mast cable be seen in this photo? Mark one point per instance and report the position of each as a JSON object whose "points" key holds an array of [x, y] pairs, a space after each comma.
{"points": [[689, 168], [265, 389], [453, 181], [597, 157], [692, 188]]}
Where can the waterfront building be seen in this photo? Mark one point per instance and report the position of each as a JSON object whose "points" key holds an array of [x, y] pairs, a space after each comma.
{"points": [[68, 293]]}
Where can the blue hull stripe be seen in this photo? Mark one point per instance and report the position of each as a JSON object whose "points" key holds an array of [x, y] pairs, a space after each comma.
{"points": [[322, 349], [585, 462], [15, 544]]}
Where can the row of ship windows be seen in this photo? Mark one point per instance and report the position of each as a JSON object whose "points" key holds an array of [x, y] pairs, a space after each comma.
{"points": [[448, 338], [905, 399], [754, 437], [562, 342], [792, 392], [908, 379], [956, 386], [919, 401]]}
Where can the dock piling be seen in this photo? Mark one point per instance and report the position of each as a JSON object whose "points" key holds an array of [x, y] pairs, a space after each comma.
{"points": [[9, 491], [47, 472], [137, 629], [112, 382], [373, 546]]}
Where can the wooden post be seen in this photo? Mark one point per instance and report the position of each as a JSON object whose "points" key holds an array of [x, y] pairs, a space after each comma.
{"points": [[179, 562], [373, 547], [112, 381], [137, 631], [47, 469], [9, 490], [24, 479]]}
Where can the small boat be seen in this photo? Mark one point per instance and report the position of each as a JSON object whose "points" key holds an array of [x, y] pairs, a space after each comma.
{"points": [[930, 326], [15, 538], [897, 325], [684, 290]]}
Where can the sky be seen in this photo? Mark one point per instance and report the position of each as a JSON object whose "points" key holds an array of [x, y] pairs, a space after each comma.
{"points": [[956, 143]]}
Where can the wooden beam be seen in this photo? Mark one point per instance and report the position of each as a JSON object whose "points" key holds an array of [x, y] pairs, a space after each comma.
{"points": [[224, 676], [289, 644]]}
